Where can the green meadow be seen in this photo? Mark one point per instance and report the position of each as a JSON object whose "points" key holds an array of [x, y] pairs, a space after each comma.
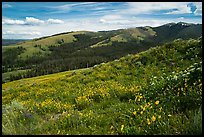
{"points": [[154, 92]]}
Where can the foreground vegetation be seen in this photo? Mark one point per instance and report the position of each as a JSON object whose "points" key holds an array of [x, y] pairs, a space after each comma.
{"points": [[158, 91]]}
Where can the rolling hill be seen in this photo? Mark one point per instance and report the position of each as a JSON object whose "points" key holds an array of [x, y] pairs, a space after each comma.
{"points": [[73, 50], [154, 92]]}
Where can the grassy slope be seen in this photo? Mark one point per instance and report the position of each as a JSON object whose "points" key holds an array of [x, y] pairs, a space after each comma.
{"points": [[125, 35], [29, 45], [126, 96]]}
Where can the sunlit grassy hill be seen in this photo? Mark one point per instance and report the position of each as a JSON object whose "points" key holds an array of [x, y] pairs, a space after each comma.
{"points": [[158, 91], [32, 46]]}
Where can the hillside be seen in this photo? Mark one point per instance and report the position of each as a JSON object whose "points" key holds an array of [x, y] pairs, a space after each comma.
{"points": [[82, 49], [158, 91]]}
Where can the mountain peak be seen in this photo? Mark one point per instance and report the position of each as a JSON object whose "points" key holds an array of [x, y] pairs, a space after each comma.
{"points": [[183, 24]]}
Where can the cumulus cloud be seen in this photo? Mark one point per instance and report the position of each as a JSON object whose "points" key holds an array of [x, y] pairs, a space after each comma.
{"points": [[27, 21], [33, 21], [55, 21], [12, 21], [30, 21]]}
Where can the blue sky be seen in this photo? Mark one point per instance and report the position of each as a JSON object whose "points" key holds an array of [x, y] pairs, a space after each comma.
{"points": [[37, 19]]}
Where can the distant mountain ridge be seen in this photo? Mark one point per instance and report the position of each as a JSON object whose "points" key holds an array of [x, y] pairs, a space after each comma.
{"points": [[12, 41]]}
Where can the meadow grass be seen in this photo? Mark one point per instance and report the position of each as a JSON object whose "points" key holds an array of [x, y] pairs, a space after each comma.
{"points": [[156, 92]]}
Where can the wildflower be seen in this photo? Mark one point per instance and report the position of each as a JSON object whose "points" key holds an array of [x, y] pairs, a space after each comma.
{"points": [[157, 102], [111, 127], [134, 113], [184, 93], [199, 80], [160, 109], [122, 126], [153, 118], [81, 114], [148, 121], [169, 115], [159, 116], [141, 112]]}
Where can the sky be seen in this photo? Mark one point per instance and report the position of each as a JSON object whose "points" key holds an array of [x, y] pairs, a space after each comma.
{"points": [[28, 20]]}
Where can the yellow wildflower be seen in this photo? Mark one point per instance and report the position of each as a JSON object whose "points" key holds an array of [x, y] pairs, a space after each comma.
{"points": [[160, 109], [81, 114], [148, 121], [134, 113], [157, 102], [153, 118], [141, 112], [184, 93], [169, 115], [122, 126], [159, 116], [111, 127]]}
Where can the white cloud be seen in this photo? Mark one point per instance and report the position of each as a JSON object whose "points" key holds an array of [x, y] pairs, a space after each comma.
{"points": [[30, 21], [55, 21], [12, 22], [198, 11], [27, 21], [33, 21], [181, 9], [9, 32], [111, 18], [6, 6], [149, 7]]}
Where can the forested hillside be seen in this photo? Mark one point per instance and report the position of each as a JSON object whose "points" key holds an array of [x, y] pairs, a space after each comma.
{"points": [[82, 49], [158, 91]]}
